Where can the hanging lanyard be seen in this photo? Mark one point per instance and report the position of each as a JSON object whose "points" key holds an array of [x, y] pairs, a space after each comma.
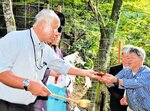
{"points": [[39, 67]]}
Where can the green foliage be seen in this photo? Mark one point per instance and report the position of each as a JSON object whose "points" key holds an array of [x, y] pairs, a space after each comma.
{"points": [[21, 2], [87, 49], [134, 27], [113, 56], [80, 20], [105, 10]]}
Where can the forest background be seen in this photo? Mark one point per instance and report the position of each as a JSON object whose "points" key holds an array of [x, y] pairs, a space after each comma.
{"points": [[95, 28]]}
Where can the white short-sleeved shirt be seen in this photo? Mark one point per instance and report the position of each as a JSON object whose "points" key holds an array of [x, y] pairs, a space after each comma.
{"points": [[17, 55]]}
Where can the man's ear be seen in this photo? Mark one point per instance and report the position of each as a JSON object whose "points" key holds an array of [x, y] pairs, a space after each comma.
{"points": [[41, 24], [142, 60]]}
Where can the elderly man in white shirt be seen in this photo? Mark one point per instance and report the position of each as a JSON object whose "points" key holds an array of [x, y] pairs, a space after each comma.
{"points": [[24, 58]]}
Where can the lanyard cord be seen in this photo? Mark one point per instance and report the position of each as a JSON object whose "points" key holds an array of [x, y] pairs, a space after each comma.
{"points": [[41, 66]]}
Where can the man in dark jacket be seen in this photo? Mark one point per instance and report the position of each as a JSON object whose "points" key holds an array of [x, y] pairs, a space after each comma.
{"points": [[117, 94]]}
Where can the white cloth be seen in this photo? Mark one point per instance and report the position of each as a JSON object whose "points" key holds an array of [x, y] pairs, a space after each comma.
{"points": [[61, 82], [17, 55], [128, 109]]}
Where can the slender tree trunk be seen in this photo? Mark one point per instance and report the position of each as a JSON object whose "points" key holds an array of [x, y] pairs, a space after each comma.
{"points": [[105, 43], [9, 16]]}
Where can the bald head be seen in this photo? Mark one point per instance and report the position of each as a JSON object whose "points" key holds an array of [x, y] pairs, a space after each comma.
{"points": [[46, 15], [46, 24]]}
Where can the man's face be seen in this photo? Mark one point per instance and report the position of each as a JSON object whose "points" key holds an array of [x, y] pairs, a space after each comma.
{"points": [[50, 29], [134, 61], [125, 60], [56, 38]]}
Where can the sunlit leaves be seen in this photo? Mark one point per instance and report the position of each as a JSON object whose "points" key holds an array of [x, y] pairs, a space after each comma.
{"points": [[134, 27]]}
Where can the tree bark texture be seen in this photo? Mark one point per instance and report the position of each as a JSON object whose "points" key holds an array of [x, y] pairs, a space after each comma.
{"points": [[106, 39], [9, 16]]}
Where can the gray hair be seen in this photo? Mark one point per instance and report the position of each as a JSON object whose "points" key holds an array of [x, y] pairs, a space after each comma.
{"points": [[126, 48], [46, 14], [138, 51]]}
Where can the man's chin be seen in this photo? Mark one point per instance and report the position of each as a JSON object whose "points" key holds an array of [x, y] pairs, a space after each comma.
{"points": [[131, 66], [48, 40]]}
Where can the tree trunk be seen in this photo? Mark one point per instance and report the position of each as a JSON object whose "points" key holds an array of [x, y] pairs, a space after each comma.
{"points": [[105, 43], [9, 16]]}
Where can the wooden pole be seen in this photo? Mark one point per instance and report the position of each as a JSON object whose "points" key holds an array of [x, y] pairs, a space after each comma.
{"points": [[119, 52]]}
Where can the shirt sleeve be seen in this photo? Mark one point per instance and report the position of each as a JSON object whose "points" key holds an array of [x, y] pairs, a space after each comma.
{"points": [[57, 63], [122, 73], [8, 52], [137, 82]]}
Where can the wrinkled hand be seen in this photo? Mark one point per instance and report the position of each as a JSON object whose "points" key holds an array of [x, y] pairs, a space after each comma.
{"points": [[108, 79], [123, 101], [92, 74], [38, 89]]}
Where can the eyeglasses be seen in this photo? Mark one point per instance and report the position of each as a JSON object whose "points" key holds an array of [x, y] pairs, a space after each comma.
{"points": [[60, 29]]}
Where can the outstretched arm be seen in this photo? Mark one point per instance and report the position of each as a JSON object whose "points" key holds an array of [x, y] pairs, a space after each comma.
{"points": [[82, 72]]}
